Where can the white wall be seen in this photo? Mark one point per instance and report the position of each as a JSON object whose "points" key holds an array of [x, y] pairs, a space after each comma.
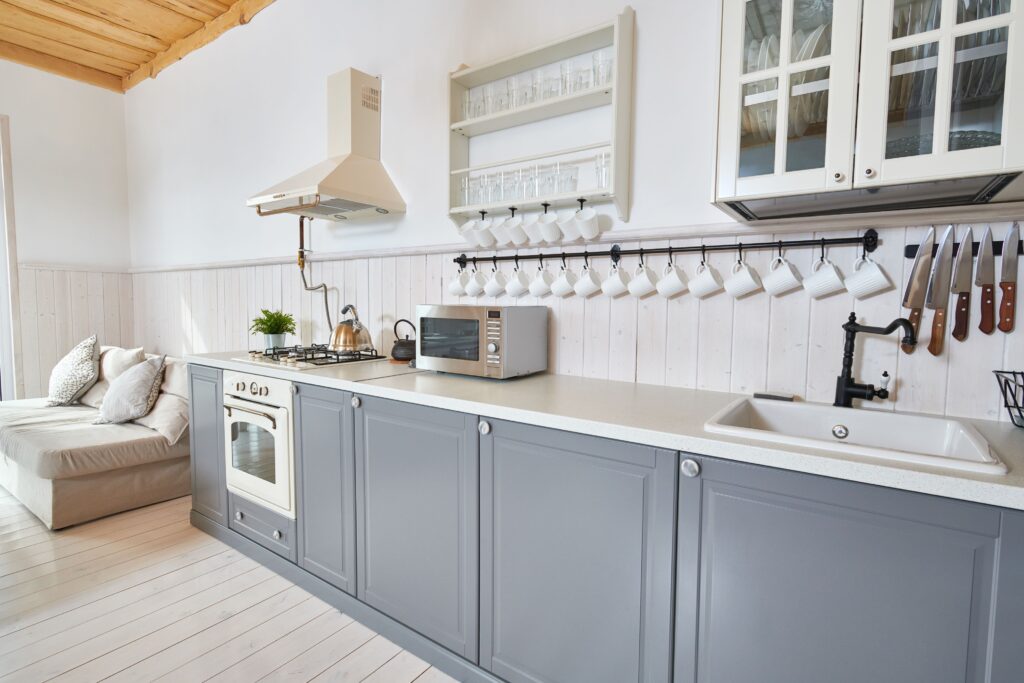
{"points": [[248, 110], [70, 187]]}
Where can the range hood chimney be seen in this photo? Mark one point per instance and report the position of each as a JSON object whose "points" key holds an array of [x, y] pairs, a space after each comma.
{"points": [[352, 182]]}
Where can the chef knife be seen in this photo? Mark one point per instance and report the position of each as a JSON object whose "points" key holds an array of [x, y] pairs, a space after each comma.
{"points": [[1008, 279], [962, 268], [985, 277], [913, 297], [937, 296]]}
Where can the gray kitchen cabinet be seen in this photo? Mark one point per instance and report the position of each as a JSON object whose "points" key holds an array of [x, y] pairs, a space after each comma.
{"points": [[417, 487], [576, 557], [793, 578], [206, 442], [326, 488]]}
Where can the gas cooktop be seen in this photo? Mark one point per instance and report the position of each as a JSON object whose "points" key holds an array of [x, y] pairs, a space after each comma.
{"points": [[307, 357]]}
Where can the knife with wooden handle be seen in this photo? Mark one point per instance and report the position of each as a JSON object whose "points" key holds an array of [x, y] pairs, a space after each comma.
{"points": [[913, 297], [961, 286], [1008, 281], [985, 277], [937, 296]]}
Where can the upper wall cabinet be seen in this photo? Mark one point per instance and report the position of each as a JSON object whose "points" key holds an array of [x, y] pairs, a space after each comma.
{"points": [[788, 94], [936, 96], [820, 96]]}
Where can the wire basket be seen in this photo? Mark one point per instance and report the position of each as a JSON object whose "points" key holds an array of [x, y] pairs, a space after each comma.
{"points": [[1011, 383]]}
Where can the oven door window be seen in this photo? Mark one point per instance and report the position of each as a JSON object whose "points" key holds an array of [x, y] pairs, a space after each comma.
{"points": [[253, 451], [453, 338]]}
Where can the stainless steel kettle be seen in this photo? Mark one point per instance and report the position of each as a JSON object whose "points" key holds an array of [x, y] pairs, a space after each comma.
{"points": [[351, 335]]}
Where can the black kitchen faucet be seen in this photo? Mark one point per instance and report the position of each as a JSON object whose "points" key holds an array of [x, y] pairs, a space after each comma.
{"points": [[847, 388]]}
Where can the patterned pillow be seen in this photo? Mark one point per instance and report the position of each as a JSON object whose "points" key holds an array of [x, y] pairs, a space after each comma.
{"points": [[75, 373], [133, 393]]}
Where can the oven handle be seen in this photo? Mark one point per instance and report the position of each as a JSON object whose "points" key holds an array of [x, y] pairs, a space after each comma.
{"points": [[273, 420]]}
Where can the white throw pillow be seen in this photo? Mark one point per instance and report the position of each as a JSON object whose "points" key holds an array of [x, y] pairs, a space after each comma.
{"points": [[114, 361], [74, 373], [133, 394], [169, 417], [175, 377]]}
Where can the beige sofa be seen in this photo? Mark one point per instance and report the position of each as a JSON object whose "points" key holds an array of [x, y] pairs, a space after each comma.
{"points": [[67, 470]]}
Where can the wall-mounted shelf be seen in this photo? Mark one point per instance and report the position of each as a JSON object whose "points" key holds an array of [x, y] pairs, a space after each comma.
{"points": [[614, 91], [538, 111]]}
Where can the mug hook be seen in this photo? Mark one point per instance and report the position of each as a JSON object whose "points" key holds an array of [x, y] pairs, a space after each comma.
{"points": [[494, 263], [780, 248], [586, 259], [564, 266], [703, 255], [739, 253], [546, 205], [670, 256], [516, 257], [641, 256], [540, 261], [822, 249]]}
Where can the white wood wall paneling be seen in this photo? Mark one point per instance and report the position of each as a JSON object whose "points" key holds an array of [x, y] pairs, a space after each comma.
{"points": [[789, 344]]}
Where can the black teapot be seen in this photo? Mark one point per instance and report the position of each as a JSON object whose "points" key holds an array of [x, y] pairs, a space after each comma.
{"points": [[404, 349]]}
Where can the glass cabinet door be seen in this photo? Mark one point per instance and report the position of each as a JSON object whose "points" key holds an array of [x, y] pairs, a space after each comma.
{"points": [[787, 93], [936, 93]]}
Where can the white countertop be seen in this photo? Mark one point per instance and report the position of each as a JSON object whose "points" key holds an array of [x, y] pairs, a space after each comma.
{"points": [[664, 417]]}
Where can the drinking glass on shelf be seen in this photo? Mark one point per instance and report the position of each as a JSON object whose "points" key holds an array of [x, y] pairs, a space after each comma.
{"points": [[552, 83], [603, 65], [582, 78], [464, 190], [510, 186], [547, 179], [602, 169], [568, 178], [496, 182], [527, 86], [527, 183], [567, 73]]}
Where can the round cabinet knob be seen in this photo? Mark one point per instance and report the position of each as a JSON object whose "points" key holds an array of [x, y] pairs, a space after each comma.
{"points": [[869, 173], [276, 535], [492, 348], [838, 176], [295, 390], [484, 427], [356, 402], [690, 468], [239, 515]]}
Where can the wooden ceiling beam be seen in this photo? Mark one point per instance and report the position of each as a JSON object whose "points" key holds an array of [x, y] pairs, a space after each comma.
{"points": [[194, 9], [139, 16], [101, 27], [59, 32], [240, 13], [69, 53], [60, 67]]}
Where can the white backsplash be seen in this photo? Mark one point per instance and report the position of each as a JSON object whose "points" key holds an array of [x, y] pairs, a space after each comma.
{"points": [[789, 345]]}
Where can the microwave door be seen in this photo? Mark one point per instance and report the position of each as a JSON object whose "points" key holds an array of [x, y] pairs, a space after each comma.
{"points": [[451, 340]]}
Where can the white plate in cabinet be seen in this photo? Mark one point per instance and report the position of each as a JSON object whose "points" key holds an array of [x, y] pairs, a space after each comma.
{"points": [[940, 83], [787, 97]]}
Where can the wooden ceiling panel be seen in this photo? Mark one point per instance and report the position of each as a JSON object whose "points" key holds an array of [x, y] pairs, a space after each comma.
{"points": [[114, 44]]}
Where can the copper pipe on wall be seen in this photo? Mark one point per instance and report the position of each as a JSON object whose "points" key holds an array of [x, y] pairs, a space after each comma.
{"points": [[322, 287]]}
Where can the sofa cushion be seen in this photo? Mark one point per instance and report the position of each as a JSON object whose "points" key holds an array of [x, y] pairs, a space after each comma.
{"points": [[175, 377], [169, 417], [113, 362], [61, 442], [74, 373], [133, 394]]}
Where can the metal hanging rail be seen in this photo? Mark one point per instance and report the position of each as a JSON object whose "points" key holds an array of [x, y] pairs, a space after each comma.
{"points": [[869, 241]]}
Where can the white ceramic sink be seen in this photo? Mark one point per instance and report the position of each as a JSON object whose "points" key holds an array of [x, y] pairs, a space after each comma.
{"points": [[898, 437]]}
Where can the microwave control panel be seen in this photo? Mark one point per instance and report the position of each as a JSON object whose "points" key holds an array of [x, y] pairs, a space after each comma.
{"points": [[492, 339]]}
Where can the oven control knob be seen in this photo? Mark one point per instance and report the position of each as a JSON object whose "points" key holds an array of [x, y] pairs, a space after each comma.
{"points": [[253, 389], [492, 347], [239, 386], [356, 402], [264, 391]]}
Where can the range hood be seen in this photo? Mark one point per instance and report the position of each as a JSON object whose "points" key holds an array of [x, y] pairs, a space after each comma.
{"points": [[352, 182], [947, 193]]}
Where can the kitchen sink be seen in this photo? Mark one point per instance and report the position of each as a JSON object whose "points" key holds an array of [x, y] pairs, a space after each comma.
{"points": [[897, 437]]}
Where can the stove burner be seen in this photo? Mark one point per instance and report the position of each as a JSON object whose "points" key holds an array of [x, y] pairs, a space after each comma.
{"points": [[317, 354]]}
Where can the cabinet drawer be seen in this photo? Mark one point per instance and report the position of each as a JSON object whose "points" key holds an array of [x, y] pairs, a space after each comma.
{"points": [[271, 530]]}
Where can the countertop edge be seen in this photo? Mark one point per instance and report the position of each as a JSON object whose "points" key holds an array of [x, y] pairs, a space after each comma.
{"points": [[797, 459]]}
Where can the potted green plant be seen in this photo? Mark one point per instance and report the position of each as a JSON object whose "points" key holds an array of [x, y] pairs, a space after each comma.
{"points": [[273, 325]]}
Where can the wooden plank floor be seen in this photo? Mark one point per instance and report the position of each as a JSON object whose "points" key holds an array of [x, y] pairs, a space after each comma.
{"points": [[144, 596]]}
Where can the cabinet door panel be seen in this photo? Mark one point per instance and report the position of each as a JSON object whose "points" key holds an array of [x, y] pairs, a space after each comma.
{"points": [[937, 95], [417, 472], [206, 442], [795, 578], [325, 470], [787, 94], [576, 556]]}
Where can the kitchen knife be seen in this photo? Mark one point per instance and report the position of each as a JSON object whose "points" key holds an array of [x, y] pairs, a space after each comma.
{"points": [[913, 297], [962, 267], [985, 277], [1008, 279], [937, 296]]}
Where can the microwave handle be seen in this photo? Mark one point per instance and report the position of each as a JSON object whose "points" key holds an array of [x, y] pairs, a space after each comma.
{"points": [[273, 420]]}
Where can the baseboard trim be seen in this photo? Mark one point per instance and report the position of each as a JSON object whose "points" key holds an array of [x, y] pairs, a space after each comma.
{"points": [[396, 632]]}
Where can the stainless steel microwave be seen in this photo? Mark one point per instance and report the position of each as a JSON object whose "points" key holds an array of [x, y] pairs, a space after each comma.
{"points": [[484, 341]]}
